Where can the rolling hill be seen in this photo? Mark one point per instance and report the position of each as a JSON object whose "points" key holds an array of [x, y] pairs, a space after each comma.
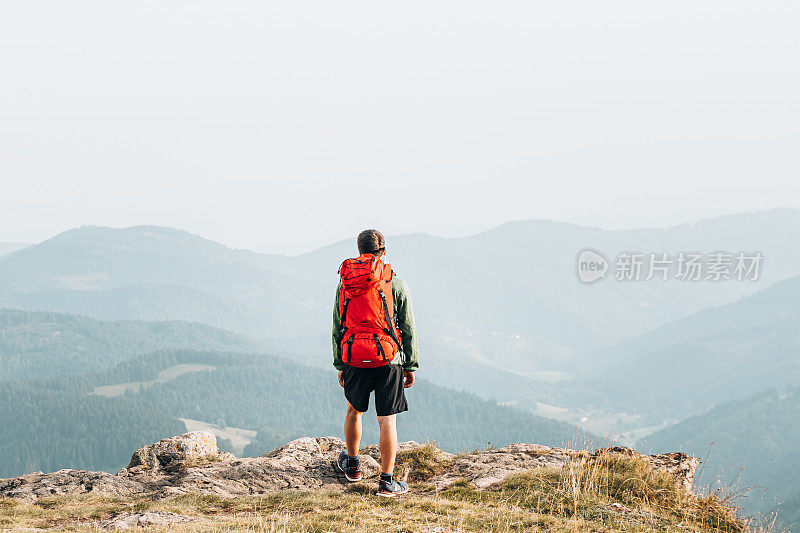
{"points": [[712, 357], [38, 344], [152, 273], [751, 442]]}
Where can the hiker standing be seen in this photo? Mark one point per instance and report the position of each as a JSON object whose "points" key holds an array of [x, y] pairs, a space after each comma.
{"points": [[374, 349]]}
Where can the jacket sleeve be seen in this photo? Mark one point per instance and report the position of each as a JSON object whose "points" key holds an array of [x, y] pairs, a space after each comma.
{"points": [[336, 333], [404, 313]]}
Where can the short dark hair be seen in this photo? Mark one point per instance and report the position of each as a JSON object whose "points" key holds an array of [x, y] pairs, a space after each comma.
{"points": [[370, 241]]}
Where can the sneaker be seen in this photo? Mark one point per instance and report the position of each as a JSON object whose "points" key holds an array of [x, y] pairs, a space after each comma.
{"points": [[350, 467], [390, 489]]}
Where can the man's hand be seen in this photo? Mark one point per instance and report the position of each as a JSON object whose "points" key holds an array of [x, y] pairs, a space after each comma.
{"points": [[409, 379], [341, 378]]}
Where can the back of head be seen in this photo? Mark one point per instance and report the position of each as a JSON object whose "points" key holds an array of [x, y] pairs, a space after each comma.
{"points": [[370, 241]]}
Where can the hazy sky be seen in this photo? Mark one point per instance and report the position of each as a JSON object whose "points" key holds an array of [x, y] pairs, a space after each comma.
{"points": [[281, 126]]}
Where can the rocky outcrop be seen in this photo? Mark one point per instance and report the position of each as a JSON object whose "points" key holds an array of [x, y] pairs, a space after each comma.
{"points": [[35, 486], [174, 452], [486, 468], [679, 465], [492, 466], [190, 463]]}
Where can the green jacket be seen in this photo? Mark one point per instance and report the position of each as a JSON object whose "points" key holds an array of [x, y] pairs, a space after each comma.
{"points": [[404, 314]]}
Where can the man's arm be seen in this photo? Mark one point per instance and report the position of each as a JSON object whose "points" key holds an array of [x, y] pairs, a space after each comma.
{"points": [[336, 333], [404, 314]]}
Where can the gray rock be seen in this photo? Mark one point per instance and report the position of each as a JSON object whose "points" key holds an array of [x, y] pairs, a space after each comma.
{"points": [[171, 452], [145, 519], [492, 466], [681, 466], [32, 487], [306, 463], [486, 468]]}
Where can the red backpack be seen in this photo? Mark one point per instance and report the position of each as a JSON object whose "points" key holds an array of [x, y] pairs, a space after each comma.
{"points": [[370, 337]]}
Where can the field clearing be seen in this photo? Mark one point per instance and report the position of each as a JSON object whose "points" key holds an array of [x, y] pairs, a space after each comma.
{"points": [[168, 374]]}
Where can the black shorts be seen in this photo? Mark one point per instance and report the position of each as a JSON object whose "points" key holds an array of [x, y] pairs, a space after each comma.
{"points": [[386, 381]]}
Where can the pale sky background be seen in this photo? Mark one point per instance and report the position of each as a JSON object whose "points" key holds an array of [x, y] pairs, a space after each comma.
{"points": [[283, 126]]}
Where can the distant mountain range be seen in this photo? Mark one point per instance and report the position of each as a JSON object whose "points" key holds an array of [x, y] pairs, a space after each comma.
{"points": [[505, 303]]}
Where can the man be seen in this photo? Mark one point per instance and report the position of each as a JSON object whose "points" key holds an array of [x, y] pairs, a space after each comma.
{"points": [[374, 349]]}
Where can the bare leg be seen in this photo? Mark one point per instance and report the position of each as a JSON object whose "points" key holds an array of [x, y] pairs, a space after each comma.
{"points": [[352, 430], [388, 442]]}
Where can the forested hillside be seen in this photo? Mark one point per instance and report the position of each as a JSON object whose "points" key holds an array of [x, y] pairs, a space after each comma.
{"points": [[38, 344], [47, 426], [754, 441], [61, 421]]}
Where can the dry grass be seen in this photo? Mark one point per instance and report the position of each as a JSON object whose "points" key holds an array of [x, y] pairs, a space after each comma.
{"points": [[612, 485], [613, 493], [59, 511], [420, 464], [315, 512]]}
